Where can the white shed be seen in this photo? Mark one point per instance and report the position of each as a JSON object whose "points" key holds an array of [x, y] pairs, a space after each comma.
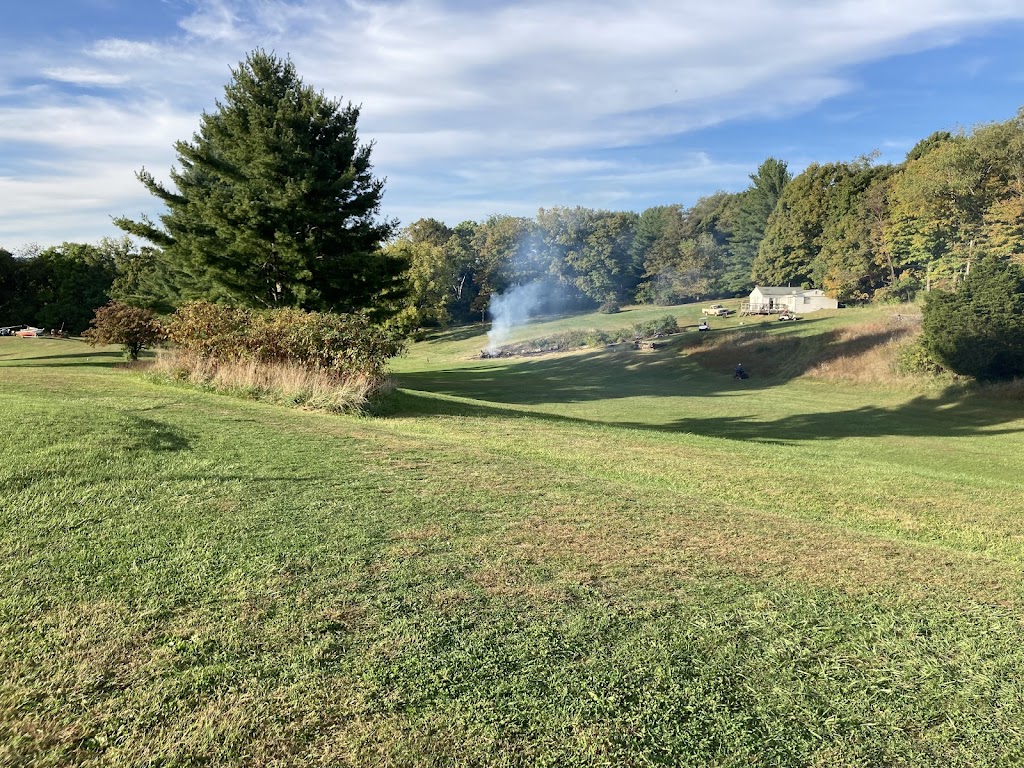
{"points": [[768, 300]]}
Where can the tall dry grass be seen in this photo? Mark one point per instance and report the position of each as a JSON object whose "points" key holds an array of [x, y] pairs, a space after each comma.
{"points": [[281, 383], [866, 354], [869, 354], [1003, 390]]}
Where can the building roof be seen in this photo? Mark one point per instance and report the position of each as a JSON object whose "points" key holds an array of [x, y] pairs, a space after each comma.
{"points": [[776, 290]]}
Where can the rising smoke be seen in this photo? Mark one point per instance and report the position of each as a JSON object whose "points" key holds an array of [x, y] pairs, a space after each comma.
{"points": [[515, 307]]}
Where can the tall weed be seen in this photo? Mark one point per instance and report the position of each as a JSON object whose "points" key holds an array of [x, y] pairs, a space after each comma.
{"points": [[281, 383]]}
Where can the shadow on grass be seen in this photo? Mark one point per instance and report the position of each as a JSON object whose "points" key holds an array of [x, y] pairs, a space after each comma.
{"points": [[952, 413], [699, 365], [689, 364], [461, 333], [480, 328], [65, 360], [155, 436]]}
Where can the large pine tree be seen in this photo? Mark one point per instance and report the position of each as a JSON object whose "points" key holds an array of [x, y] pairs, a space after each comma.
{"points": [[753, 208], [274, 203]]}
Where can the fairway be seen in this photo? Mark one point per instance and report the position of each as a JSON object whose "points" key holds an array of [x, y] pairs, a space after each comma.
{"points": [[608, 557]]}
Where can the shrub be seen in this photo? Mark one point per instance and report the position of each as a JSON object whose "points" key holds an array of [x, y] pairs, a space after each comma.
{"points": [[610, 308], [209, 330], [133, 328], [914, 358], [344, 344], [341, 345], [664, 325], [596, 338], [978, 330]]}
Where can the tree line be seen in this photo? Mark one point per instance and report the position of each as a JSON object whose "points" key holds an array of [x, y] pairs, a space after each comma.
{"points": [[857, 229], [273, 204], [666, 254], [60, 287]]}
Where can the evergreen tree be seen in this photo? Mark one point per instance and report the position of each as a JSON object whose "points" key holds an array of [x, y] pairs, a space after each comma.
{"points": [[978, 330], [274, 203], [924, 146], [792, 236], [753, 207]]}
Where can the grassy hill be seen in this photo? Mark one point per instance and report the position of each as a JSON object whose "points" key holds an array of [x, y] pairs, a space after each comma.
{"points": [[604, 557]]}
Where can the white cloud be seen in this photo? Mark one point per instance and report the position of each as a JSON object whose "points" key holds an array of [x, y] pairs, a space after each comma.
{"points": [[116, 49], [82, 76], [212, 20], [467, 100], [89, 124], [72, 202]]}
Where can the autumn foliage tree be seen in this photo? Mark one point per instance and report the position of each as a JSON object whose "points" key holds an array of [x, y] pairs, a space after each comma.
{"points": [[134, 328]]}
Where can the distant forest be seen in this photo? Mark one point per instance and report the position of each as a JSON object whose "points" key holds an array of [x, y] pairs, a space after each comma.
{"points": [[857, 229]]}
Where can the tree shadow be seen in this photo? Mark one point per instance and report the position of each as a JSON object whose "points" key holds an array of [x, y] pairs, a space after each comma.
{"points": [[460, 333], [464, 332], [695, 364], [688, 363], [952, 413], [155, 436], [73, 359]]}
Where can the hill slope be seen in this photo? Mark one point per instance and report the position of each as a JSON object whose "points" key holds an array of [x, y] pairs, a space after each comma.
{"points": [[610, 557]]}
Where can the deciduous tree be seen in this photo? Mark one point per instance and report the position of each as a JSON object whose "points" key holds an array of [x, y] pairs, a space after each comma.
{"points": [[134, 328], [66, 283]]}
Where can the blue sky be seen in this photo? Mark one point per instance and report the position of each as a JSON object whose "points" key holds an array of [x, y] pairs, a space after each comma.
{"points": [[490, 107]]}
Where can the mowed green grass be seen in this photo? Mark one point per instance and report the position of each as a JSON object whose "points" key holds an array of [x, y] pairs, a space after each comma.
{"points": [[608, 557]]}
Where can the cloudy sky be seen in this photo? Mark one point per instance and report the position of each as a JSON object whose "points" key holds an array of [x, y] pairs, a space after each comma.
{"points": [[491, 106]]}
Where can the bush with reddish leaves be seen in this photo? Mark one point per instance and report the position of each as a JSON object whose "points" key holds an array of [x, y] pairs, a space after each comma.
{"points": [[134, 328]]}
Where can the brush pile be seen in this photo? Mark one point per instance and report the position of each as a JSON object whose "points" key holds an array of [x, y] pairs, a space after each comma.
{"points": [[567, 341]]}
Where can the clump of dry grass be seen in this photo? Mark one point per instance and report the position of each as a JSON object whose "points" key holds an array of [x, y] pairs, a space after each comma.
{"points": [[1004, 390], [282, 383], [869, 354]]}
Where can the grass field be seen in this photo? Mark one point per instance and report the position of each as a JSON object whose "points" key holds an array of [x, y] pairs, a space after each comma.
{"points": [[604, 558]]}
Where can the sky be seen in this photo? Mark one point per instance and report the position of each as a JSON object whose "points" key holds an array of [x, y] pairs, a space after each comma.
{"points": [[490, 107]]}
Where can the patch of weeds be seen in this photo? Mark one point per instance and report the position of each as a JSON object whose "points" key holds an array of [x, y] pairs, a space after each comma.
{"points": [[914, 359]]}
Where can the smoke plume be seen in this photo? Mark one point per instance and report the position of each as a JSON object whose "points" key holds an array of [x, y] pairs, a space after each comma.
{"points": [[514, 308]]}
